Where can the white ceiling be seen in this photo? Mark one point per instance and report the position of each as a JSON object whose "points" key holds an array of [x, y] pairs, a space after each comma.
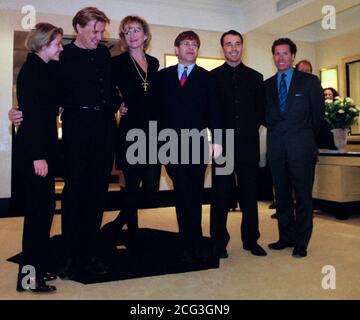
{"points": [[301, 20], [304, 23], [346, 21]]}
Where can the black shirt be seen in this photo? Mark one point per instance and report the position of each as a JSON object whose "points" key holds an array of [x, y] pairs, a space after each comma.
{"points": [[140, 103], [85, 78], [241, 94]]}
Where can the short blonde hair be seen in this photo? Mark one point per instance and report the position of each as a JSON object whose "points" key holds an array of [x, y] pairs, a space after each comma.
{"points": [[43, 34], [85, 15], [134, 19]]}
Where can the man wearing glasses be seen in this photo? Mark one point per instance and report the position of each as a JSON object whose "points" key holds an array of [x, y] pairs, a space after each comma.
{"points": [[187, 101]]}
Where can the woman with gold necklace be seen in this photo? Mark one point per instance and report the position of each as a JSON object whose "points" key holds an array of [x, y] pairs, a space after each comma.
{"points": [[134, 74]]}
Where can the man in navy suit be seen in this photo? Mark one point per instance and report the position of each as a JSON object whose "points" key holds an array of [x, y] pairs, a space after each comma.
{"points": [[294, 114], [187, 101]]}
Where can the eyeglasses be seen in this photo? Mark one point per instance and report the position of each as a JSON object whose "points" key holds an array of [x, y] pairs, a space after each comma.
{"points": [[189, 44], [129, 31]]}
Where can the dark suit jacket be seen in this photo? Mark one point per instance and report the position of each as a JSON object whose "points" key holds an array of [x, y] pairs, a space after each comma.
{"points": [[241, 93], [292, 133], [193, 106]]}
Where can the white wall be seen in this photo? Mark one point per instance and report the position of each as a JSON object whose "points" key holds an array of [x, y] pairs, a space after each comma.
{"points": [[329, 53], [258, 52]]}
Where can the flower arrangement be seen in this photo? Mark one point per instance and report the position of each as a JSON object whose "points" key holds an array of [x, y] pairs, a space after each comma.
{"points": [[341, 113]]}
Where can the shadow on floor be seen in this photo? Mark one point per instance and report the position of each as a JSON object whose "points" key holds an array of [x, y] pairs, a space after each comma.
{"points": [[154, 252]]}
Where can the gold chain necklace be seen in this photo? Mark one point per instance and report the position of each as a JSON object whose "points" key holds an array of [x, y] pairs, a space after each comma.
{"points": [[145, 84]]}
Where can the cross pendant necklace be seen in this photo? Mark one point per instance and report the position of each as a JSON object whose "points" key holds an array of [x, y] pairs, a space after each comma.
{"points": [[144, 84]]}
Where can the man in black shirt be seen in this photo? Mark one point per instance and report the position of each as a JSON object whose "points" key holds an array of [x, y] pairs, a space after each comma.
{"points": [[242, 98], [88, 122]]}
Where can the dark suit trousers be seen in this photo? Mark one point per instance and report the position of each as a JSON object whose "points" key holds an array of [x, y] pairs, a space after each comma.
{"points": [[287, 176], [188, 181], [149, 178], [88, 138], [39, 211], [222, 200]]}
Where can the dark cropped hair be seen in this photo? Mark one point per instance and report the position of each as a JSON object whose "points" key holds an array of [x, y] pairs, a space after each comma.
{"points": [[305, 61], [289, 42], [85, 15], [187, 35], [233, 33]]}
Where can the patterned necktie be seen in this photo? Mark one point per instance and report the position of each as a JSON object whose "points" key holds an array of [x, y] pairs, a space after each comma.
{"points": [[282, 93], [183, 77]]}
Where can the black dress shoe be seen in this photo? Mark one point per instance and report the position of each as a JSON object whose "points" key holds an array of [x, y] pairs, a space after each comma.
{"points": [[38, 286], [255, 249], [299, 252], [280, 245]]}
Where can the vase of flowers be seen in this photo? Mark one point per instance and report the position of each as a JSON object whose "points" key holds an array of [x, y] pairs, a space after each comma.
{"points": [[341, 114]]}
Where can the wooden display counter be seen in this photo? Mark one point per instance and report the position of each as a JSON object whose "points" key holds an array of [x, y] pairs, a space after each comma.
{"points": [[337, 182]]}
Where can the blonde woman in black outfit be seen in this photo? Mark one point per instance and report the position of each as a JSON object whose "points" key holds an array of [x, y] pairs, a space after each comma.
{"points": [[35, 152], [134, 72]]}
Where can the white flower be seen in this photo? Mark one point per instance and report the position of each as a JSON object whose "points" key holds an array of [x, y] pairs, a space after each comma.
{"points": [[337, 102], [352, 109], [328, 101], [341, 111], [349, 100], [338, 98]]}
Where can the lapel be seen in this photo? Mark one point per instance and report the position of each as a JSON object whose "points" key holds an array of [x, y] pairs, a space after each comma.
{"points": [[274, 92]]}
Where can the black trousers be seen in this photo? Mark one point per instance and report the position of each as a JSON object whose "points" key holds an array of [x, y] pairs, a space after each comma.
{"points": [[39, 210], [88, 141], [222, 200], [293, 177], [188, 181], [141, 182]]}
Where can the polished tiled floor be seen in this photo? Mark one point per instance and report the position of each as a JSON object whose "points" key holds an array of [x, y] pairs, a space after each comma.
{"points": [[241, 276]]}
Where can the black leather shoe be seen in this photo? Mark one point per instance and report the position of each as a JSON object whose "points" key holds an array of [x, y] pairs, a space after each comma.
{"points": [[299, 252], [280, 245], [255, 249], [39, 286]]}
